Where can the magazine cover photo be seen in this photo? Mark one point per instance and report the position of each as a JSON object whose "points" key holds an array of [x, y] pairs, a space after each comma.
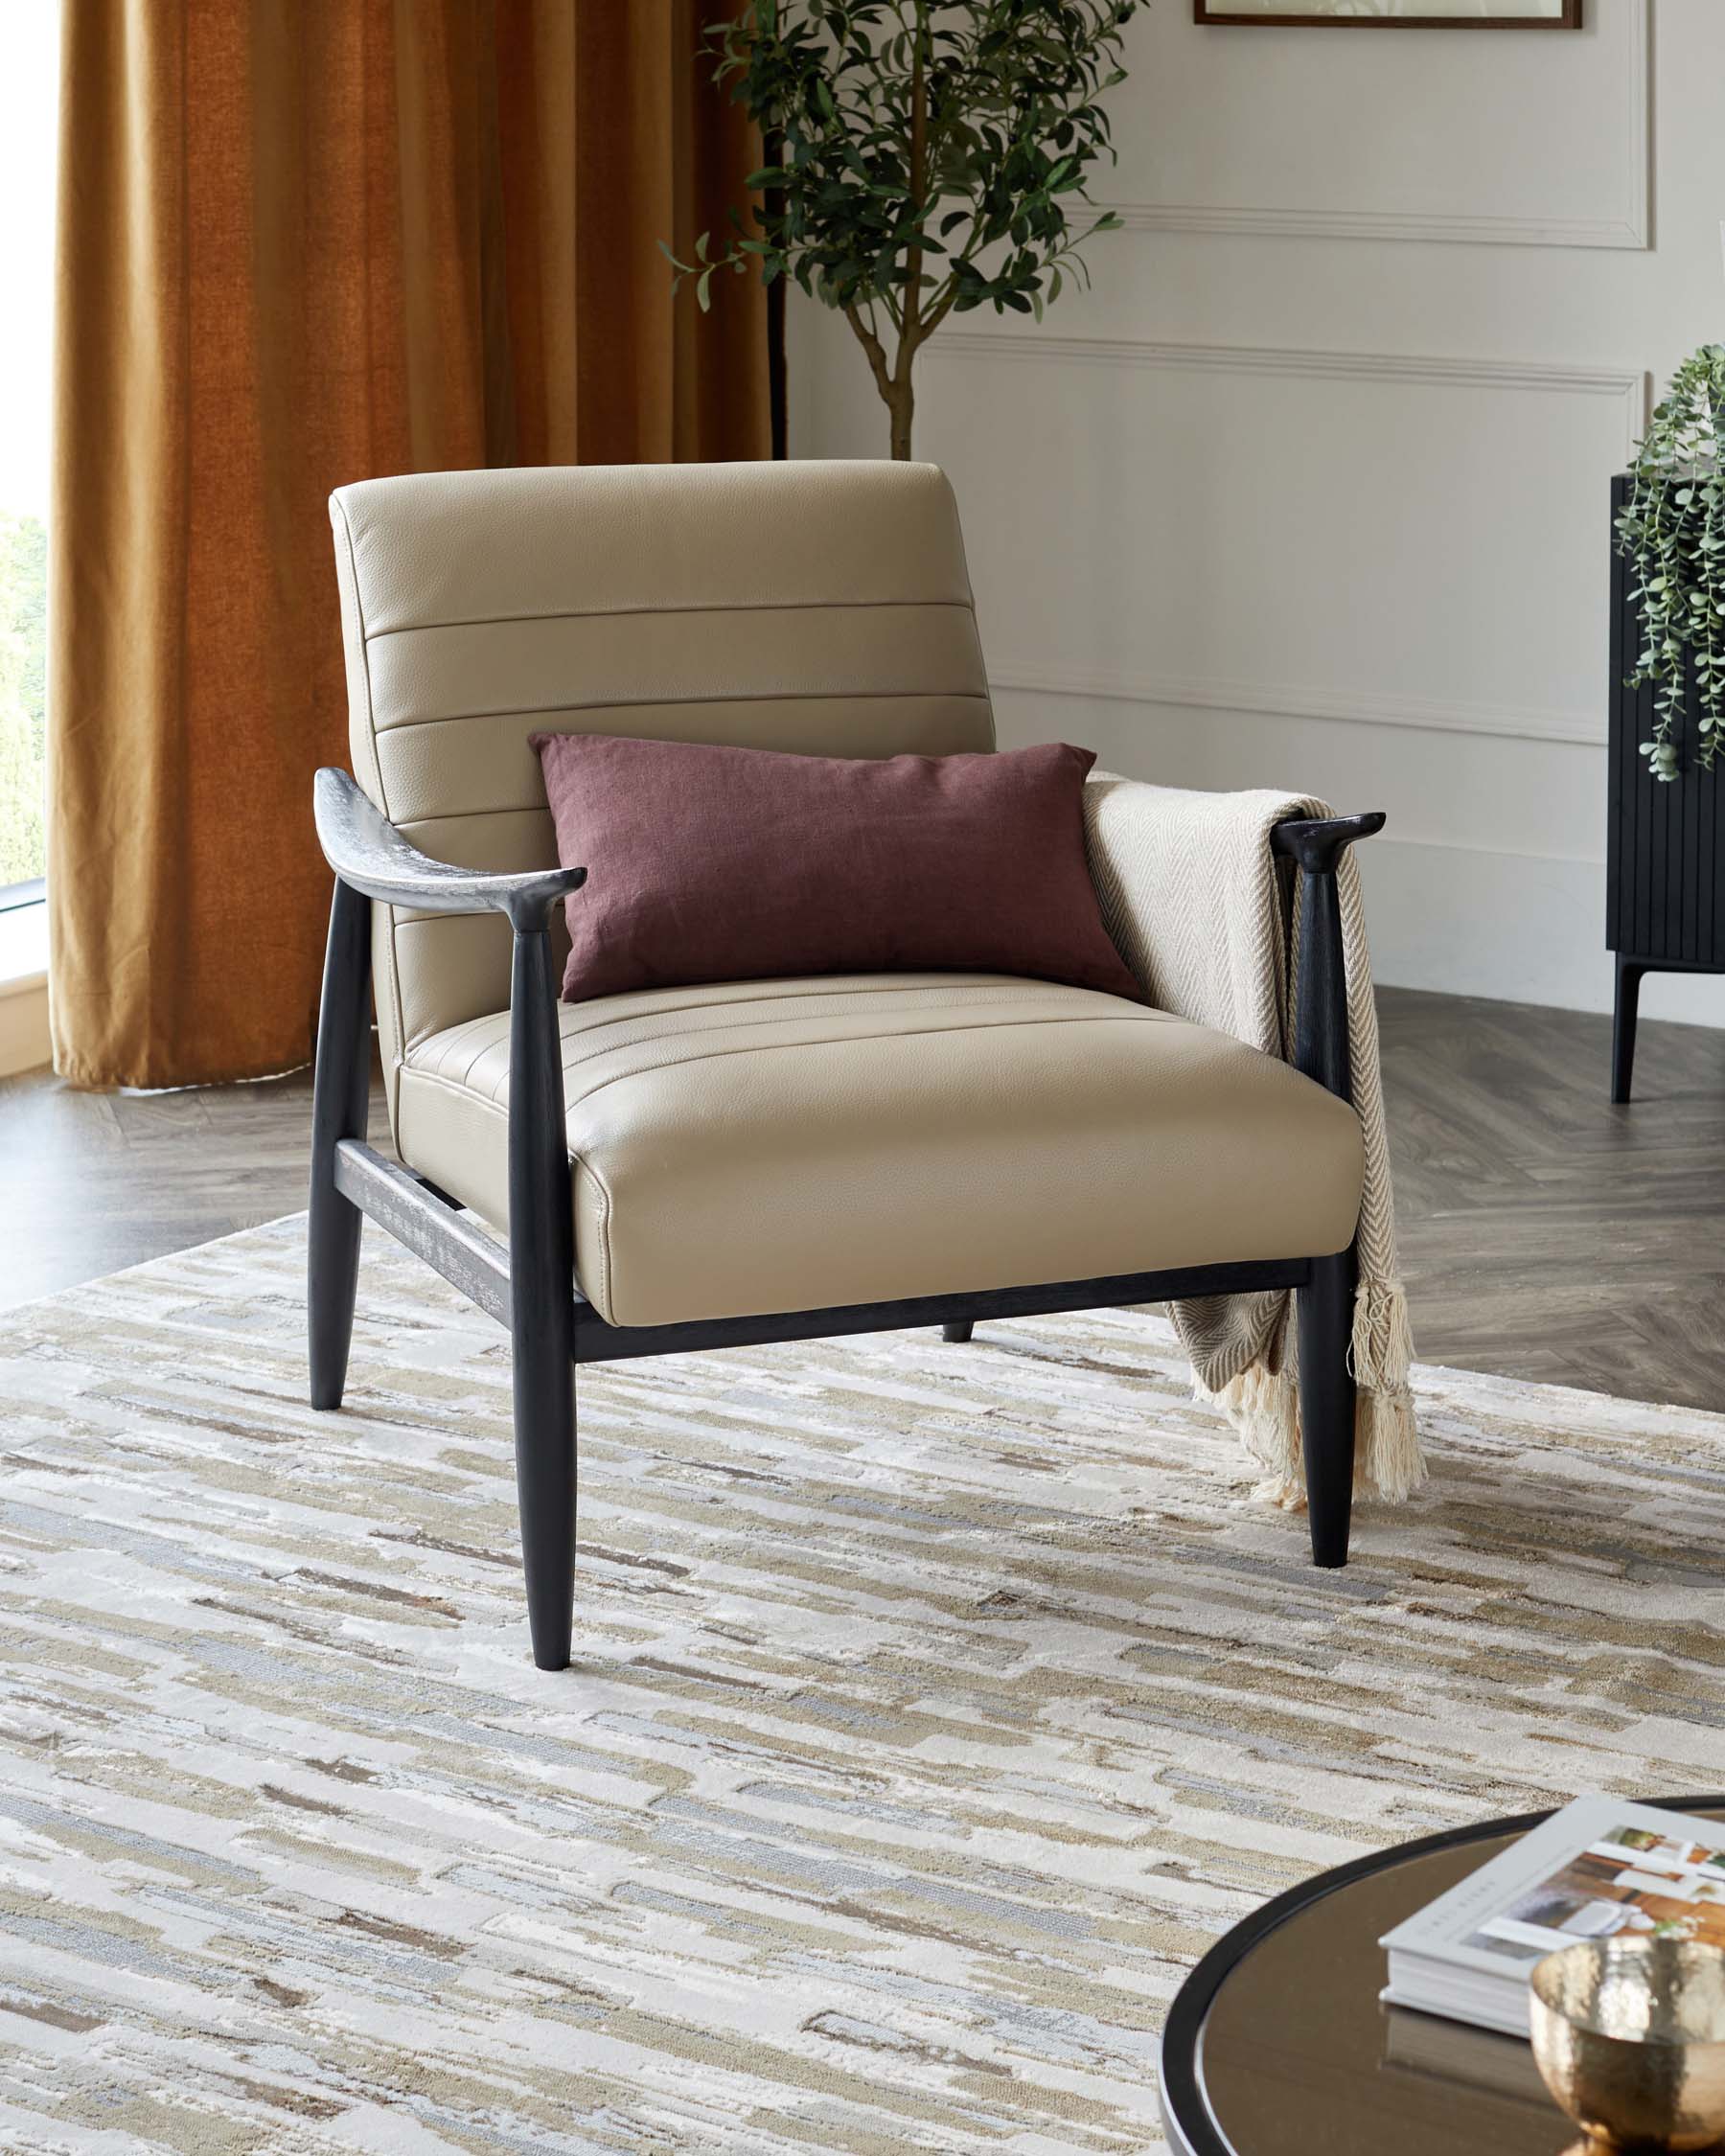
{"points": [[1631, 1879]]}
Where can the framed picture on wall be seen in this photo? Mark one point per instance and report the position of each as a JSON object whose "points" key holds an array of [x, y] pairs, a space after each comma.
{"points": [[1395, 15]]}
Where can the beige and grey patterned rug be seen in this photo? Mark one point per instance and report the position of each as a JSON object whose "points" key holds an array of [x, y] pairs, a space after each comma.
{"points": [[933, 1708]]}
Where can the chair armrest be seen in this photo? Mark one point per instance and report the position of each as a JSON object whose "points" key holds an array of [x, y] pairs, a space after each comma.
{"points": [[370, 855], [1317, 843], [1321, 1022], [373, 860]]}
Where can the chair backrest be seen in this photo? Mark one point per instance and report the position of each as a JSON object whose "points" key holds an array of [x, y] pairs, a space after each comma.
{"points": [[817, 608]]}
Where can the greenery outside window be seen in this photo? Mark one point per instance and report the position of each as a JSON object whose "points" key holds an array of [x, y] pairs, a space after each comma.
{"points": [[29, 98], [23, 704]]}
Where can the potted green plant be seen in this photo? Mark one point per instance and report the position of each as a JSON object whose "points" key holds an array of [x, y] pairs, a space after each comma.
{"points": [[1664, 866], [925, 158], [1670, 530]]}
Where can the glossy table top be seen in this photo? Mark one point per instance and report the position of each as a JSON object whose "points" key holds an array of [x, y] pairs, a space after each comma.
{"points": [[1278, 2046]]}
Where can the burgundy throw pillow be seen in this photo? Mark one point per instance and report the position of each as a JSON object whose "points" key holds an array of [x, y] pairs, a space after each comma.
{"points": [[710, 864]]}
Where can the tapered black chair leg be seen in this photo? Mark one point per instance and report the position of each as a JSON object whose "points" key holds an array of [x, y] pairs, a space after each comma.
{"points": [[1624, 1014], [957, 1335], [542, 1295], [340, 1098], [1324, 1317], [1322, 1050]]}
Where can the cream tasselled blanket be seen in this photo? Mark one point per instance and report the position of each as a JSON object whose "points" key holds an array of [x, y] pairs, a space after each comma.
{"points": [[1192, 896]]}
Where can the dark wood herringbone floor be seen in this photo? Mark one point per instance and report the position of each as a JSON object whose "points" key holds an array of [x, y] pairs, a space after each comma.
{"points": [[1545, 1235], [96, 1182]]}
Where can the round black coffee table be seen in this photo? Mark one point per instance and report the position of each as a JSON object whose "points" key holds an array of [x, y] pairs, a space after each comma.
{"points": [[1276, 2044]]}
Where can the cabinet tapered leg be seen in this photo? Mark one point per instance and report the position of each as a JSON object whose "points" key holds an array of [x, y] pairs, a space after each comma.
{"points": [[1625, 1011]]}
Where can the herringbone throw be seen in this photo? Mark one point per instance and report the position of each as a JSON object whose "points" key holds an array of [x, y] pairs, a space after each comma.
{"points": [[1192, 898]]}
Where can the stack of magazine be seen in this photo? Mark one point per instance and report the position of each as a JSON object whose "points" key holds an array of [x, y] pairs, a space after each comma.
{"points": [[1596, 1869]]}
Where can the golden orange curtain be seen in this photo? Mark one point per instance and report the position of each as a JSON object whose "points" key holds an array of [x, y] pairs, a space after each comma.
{"points": [[304, 241]]}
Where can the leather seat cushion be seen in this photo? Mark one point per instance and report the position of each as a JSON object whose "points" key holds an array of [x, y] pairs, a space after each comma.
{"points": [[780, 1145]]}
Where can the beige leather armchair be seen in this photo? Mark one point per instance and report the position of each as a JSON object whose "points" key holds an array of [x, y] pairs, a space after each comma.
{"points": [[766, 1160]]}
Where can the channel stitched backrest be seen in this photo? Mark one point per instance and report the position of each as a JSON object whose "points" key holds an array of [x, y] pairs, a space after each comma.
{"points": [[817, 608]]}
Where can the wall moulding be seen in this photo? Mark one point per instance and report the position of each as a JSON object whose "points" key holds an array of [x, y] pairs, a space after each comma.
{"points": [[1633, 229], [1629, 388], [1274, 699], [1630, 385]]}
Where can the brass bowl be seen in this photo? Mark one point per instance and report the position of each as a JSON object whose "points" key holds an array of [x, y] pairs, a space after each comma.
{"points": [[1629, 2035]]}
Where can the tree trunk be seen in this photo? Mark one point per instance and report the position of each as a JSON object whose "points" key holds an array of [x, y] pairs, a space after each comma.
{"points": [[902, 401], [901, 405], [893, 382]]}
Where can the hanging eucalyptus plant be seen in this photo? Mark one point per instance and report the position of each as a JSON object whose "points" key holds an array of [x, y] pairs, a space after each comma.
{"points": [[1671, 531], [925, 155]]}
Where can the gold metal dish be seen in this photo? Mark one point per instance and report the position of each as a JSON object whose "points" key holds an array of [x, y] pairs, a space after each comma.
{"points": [[1629, 2035]]}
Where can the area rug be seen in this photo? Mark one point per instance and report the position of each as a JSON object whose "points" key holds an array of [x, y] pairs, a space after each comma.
{"points": [[933, 1708]]}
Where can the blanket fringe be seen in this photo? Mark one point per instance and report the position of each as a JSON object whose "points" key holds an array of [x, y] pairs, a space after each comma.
{"points": [[1263, 1406], [1388, 1456], [1383, 1339]]}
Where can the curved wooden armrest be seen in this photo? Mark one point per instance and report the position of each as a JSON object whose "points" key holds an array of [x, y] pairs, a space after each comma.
{"points": [[1316, 842], [370, 855]]}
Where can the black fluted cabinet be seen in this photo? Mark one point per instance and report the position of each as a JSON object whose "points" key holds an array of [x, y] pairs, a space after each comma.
{"points": [[1665, 875]]}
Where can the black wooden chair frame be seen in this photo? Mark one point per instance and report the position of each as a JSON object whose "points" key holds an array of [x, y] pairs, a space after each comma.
{"points": [[528, 1284]]}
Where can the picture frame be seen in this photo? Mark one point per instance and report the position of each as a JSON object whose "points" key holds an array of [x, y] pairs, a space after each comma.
{"points": [[1374, 14]]}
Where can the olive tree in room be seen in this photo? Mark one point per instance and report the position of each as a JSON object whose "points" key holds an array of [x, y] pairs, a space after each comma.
{"points": [[926, 158]]}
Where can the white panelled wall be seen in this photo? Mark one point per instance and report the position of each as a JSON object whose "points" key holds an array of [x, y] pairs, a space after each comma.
{"points": [[1311, 490]]}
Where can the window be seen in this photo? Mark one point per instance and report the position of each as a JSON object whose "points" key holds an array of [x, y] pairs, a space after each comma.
{"points": [[28, 100]]}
